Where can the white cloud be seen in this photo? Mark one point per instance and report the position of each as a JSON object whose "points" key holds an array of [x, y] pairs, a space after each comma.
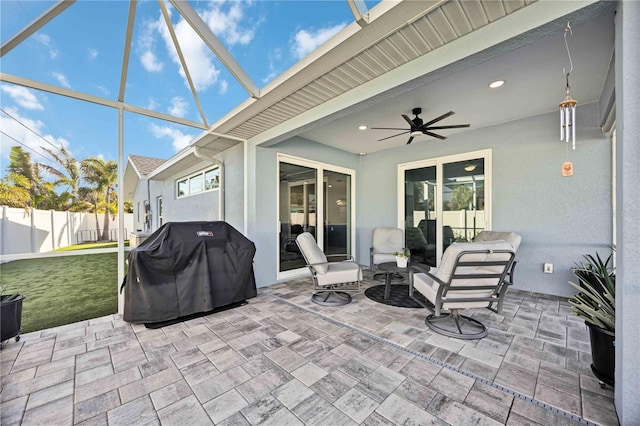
{"points": [[150, 62], [306, 41], [30, 140], [103, 89], [61, 79], [197, 55], [179, 139], [93, 53], [43, 38], [46, 41], [226, 24], [145, 46], [22, 96], [178, 107], [224, 85], [152, 104]]}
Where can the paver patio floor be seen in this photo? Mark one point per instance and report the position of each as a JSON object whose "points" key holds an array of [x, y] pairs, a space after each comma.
{"points": [[282, 360]]}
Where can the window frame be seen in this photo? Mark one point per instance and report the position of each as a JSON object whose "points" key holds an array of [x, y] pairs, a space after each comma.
{"points": [[187, 181]]}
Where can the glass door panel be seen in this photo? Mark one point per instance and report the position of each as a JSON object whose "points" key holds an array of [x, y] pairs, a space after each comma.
{"points": [[420, 214], [463, 200], [337, 213], [297, 211]]}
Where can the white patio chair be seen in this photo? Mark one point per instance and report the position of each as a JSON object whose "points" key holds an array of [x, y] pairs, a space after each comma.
{"points": [[385, 242], [328, 276], [470, 275]]}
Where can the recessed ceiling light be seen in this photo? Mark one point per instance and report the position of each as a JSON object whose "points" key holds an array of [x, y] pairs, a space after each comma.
{"points": [[362, 127], [496, 84], [363, 154]]}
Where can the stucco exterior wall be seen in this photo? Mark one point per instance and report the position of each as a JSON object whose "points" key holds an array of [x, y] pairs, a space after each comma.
{"points": [[202, 206], [559, 218], [263, 206]]}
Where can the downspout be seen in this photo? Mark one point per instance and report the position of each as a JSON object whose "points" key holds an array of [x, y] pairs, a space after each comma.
{"points": [[220, 164]]}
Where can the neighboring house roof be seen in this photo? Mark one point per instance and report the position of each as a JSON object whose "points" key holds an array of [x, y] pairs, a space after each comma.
{"points": [[138, 167], [145, 165]]}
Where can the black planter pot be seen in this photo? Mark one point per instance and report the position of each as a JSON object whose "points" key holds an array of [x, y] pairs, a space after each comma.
{"points": [[603, 352], [10, 318]]}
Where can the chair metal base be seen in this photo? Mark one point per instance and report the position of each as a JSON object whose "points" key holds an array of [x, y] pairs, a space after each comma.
{"points": [[331, 298], [457, 326]]}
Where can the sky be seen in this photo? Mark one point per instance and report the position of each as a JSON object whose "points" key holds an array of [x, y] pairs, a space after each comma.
{"points": [[82, 49]]}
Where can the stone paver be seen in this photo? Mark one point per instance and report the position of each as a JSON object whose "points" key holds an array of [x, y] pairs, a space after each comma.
{"points": [[282, 360]]}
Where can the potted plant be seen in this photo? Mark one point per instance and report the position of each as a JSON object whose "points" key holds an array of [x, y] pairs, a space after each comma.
{"points": [[402, 258], [596, 303], [10, 315]]}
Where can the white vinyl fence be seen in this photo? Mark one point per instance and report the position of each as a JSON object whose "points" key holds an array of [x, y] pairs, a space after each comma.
{"points": [[39, 231]]}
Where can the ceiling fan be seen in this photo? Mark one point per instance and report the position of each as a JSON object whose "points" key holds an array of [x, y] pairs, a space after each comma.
{"points": [[417, 127]]}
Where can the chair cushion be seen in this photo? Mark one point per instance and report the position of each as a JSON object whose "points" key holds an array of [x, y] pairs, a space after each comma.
{"points": [[312, 253], [510, 237], [386, 241], [340, 272], [379, 258]]}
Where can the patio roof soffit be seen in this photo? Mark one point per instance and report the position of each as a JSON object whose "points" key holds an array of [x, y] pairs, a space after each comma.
{"points": [[294, 103], [352, 40]]}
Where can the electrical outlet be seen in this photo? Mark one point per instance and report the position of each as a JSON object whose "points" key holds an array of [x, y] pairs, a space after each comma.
{"points": [[548, 268]]}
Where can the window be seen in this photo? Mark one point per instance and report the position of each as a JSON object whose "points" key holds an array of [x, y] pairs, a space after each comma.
{"points": [[160, 211], [207, 180]]}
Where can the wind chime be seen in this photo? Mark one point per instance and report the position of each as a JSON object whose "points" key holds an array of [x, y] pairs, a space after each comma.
{"points": [[568, 111]]}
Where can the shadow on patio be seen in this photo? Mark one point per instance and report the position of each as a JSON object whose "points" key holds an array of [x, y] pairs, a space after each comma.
{"points": [[283, 360]]}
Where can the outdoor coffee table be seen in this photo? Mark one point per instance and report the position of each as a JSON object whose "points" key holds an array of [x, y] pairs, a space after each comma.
{"points": [[389, 269]]}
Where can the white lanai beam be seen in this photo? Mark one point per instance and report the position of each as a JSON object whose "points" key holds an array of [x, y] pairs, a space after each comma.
{"points": [[205, 33], [360, 11], [167, 20], [8, 78], [34, 26], [127, 49]]}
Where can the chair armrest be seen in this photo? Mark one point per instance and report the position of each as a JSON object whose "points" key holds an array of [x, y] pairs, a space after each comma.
{"points": [[348, 256]]}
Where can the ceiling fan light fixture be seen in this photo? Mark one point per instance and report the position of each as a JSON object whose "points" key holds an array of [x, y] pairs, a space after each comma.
{"points": [[497, 83], [470, 167], [416, 133], [362, 127]]}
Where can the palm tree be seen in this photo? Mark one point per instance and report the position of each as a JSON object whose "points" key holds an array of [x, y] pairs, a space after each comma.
{"points": [[20, 165], [69, 175], [103, 176], [14, 191]]}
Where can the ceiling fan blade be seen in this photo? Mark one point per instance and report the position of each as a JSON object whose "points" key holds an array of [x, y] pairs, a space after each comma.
{"points": [[408, 120], [453, 126], [434, 135], [442, 117], [388, 128], [393, 136], [410, 140]]}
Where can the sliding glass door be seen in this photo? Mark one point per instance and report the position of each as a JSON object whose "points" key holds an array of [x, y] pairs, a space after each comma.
{"points": [[443, 200], [315, 198]]}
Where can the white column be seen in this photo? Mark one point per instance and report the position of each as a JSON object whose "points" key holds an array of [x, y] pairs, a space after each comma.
{"points": [[627, 374], [120, 207]]}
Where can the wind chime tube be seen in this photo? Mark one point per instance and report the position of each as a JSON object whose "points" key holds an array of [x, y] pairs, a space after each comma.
{"points": [[567, 123], [573, 126], [561, 124]]}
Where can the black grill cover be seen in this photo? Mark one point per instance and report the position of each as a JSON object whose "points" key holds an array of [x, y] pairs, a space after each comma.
{"points": [[186, 268]]}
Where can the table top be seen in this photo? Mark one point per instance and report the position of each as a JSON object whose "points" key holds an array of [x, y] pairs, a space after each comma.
{"points": [[393, 267]]}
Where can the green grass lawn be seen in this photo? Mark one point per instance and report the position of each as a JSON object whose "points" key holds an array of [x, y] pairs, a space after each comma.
{"points": [[93, 245], [62, 290]]}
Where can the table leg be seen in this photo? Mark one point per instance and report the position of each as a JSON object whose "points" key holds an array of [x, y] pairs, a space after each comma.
{"points": [[387, 284]]}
